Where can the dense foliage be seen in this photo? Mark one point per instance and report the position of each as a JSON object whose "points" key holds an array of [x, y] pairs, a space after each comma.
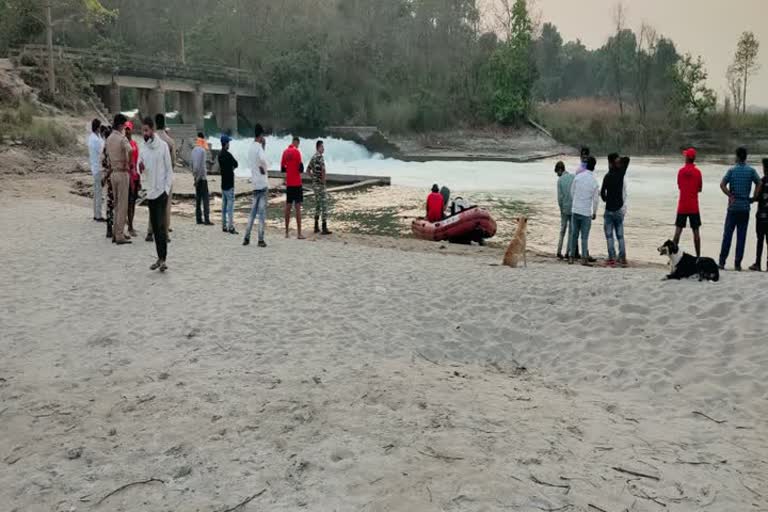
{"points": [[400, 64]]}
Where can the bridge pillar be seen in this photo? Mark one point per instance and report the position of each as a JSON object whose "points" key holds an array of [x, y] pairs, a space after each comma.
{"points": [[143, 97], [114, 98], [230, 114], [156, 101], [192, 108]]}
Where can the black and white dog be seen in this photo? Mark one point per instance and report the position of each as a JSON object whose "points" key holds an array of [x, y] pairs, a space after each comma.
{"points": [[683, 265]]}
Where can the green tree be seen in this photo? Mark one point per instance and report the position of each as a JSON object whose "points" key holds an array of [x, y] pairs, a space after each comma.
{"points": [[692, 96], [512, 69], [745, 62], [548, 50]]}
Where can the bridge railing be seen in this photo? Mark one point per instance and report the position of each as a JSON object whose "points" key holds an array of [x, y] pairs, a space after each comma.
{"points": [[156, 66]]}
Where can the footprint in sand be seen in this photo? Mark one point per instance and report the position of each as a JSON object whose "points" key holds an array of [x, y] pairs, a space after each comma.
{"points": [[634, 309]]}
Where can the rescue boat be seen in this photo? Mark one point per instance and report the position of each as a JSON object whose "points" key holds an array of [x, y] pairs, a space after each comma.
{"points": [[471, 225]]}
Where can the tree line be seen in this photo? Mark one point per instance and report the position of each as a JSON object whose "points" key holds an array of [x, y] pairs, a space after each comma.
{"points": [[401, 64]]}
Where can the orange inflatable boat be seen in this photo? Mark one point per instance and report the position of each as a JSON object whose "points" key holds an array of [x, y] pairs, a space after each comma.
{"points": [[471, 225]]}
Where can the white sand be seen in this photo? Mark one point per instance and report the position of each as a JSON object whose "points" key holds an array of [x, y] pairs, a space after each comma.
{"points": [[303, 371]]}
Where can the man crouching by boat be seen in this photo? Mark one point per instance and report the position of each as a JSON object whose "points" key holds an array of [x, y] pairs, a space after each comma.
{"points": [[435, 205]]}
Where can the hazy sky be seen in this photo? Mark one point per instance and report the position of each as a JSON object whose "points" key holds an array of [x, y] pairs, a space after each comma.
{"points": [[710, 28]]}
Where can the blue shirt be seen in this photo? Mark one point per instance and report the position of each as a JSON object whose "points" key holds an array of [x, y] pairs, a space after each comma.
{"points": [[739, 181]]}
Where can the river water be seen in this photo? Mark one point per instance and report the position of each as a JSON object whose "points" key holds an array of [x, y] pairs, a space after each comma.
{"points": [[651, 183]]}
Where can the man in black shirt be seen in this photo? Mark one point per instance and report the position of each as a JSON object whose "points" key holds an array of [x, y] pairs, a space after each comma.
{"points": [[613, 193], [227, 166], [761, 198]]}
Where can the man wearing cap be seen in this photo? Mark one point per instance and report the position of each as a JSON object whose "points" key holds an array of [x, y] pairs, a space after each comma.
{"points": [[435, 205], [227, 166], [118, 151], [690, 184], [737, 185], [317, 172], [260, 180]]}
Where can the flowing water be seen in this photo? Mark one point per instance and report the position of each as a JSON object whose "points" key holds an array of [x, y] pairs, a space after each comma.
{"points": [[509, 189]]}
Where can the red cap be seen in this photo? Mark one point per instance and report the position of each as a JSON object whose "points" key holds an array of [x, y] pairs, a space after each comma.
{"points": [[690, 153], [129, 125]]}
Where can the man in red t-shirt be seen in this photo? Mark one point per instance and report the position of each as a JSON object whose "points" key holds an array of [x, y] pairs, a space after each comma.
{"points": [[435, 205], [690, 183], [293, 168]]}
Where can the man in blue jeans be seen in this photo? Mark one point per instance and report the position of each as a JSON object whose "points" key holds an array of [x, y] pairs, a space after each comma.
{"points": [[737, 185], [614, 194], [586, 195], [260, 180], [227, 166]]}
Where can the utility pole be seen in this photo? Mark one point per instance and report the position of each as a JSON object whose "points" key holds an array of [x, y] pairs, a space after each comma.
{"points": [[49, 37]]}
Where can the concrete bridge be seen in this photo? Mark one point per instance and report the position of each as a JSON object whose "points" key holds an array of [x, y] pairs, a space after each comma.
{"points": [[227, 92]]}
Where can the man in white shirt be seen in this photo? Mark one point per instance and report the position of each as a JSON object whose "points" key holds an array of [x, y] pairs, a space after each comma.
{"points": [[95, 148], [257, 159], [586, 197], [156, 165]]}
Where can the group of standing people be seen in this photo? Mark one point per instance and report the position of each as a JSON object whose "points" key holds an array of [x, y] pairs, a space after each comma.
{"points": [[131, 174], [117, 164], [579, 196], [292, 166]]}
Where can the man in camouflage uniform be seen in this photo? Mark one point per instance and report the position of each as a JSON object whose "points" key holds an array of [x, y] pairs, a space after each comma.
{"points": [[317, 172]]}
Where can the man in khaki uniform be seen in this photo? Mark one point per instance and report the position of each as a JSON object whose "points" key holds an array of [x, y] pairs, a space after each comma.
{"points": [[119, 152], [163, 135]]}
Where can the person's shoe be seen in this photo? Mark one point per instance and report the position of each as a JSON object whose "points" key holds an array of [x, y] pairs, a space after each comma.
{"points": [[317, 225], [756, 268], [590, 259], [163, 267], [560, 256], [585, 262], [149, 238], [610, 263], [737, 268], [262, 244], [233, 231], [100, 219], [155, 265], [199, 223], [133, 233], [571, 261], [123, 242], [208, 223], [224, 229], [721, 266], [623, 262], [246, 241], [325, 230], [109, 233], [301, 237]]}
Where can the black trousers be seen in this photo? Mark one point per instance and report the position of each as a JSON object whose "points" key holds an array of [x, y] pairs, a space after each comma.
{"points": [[157, 219], [202, 201], [762, 239]]}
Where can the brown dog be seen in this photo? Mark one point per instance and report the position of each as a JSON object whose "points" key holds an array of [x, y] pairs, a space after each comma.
{"points": [[517, 247]]}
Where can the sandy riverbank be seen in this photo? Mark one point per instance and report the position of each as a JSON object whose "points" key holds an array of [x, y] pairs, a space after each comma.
{"points": [[332, 376]]}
